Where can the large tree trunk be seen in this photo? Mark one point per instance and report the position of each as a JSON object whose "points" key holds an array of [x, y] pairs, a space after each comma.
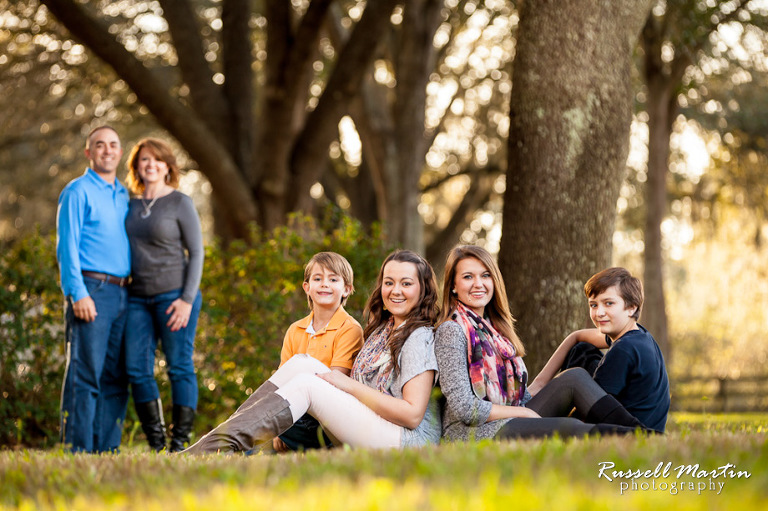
{"points": [[661, 108], [663, 81], [569, 137], [654, 315], [391, 126], [414, 63]]}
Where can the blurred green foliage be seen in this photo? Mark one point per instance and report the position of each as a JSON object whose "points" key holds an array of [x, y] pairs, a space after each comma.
{"points": [[31, 342], [251, 294]]}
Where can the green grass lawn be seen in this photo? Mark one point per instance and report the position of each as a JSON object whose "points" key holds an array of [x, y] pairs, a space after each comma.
{"points": [[539, 474]]}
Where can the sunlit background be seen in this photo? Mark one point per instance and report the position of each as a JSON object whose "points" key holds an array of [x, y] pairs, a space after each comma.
{"points": [[715, 230]]}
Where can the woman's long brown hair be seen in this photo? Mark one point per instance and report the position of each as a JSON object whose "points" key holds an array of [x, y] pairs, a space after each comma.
{"points": [[423, 314], [497, 309]]}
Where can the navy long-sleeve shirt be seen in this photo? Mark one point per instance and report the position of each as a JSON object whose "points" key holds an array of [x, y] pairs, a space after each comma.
{"points": [[633, 371]]}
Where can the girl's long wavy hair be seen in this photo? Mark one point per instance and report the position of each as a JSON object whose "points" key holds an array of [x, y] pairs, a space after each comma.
{"points": [[423, 314], [497, 309]]}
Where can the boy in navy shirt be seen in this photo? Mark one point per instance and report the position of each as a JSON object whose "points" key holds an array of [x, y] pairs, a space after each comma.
{"points": [[633, 369]]}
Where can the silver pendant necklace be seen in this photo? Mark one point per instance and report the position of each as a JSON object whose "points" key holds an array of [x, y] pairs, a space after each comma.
{"points": [[147, 208]]}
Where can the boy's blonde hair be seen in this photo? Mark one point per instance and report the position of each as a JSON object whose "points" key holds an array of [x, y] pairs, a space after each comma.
{"points": [[335, 263]]}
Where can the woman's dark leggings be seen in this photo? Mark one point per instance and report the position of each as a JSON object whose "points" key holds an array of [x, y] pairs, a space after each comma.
{"points": [[571, 389]]}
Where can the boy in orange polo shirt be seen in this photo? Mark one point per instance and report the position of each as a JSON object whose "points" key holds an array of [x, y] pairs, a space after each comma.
{"points": [[328, 334]]}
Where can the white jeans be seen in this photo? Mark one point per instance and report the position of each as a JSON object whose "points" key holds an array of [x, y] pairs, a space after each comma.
{"points": [[344, 418]]}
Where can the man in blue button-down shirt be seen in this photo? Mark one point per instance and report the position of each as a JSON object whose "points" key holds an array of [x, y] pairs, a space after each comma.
{"points": [[94, 261]]}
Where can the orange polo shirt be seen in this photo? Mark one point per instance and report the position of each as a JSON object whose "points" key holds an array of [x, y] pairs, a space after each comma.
{"points": [[335, 345]]}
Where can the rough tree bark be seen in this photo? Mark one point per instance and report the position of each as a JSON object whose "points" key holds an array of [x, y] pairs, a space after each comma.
{"points": [[570, 115]]}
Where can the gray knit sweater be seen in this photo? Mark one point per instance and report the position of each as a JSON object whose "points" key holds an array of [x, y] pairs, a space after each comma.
{"points": [[166, 247], [464, 414]]}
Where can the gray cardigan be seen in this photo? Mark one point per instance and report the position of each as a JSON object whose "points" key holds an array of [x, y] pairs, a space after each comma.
{"points": [[464, 414], [166, 247]]}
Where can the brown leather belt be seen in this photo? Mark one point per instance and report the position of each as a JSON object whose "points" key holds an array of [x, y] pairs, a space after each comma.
{"points": [[105, 277]]}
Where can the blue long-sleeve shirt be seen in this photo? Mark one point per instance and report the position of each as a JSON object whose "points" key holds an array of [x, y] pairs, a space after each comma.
{"points": [[90, 227]]}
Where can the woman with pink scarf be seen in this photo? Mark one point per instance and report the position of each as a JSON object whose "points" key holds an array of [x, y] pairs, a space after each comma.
{"points": [[482, 373]]}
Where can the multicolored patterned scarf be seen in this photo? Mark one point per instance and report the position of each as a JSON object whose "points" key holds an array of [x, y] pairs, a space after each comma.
{"points": [[373, 363], [497, 374]]}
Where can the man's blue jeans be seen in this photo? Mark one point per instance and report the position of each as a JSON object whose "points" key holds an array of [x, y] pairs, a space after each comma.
{"points": [[147, 323], [95, 390]]}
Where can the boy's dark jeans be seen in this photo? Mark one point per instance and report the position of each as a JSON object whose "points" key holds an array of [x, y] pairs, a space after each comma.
{"points": [[306, 433]]}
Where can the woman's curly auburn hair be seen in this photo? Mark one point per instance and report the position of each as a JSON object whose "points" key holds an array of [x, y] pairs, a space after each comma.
{"points": [[161, 151]]}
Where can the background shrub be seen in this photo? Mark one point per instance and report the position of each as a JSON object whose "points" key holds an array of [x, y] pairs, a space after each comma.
{"points": [[251, 294], [31, 342]]}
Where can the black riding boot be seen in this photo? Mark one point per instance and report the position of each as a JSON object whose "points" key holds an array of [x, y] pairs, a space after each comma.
{"points": [[152, 423], [183, 419]]}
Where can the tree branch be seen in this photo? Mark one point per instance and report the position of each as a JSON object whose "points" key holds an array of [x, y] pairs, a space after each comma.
{"points": [[289, 59], [374, 126], [206, 97], [478, 194], [413, 64], [194, 135], [344, 83], [305, 41], [238, 86], [471, 170]]}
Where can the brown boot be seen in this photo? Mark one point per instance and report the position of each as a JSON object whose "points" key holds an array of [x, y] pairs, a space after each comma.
{"points": [[267, 418], [266, 388]]}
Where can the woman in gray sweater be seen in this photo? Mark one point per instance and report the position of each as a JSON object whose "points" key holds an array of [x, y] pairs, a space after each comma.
{"points": [[482, 373], [166, 267]]}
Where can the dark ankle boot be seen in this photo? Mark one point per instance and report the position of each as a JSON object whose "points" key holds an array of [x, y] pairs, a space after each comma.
{"points": [[612, 429], [608, 410], [183, 420], [244, 430], [152, 423]]}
